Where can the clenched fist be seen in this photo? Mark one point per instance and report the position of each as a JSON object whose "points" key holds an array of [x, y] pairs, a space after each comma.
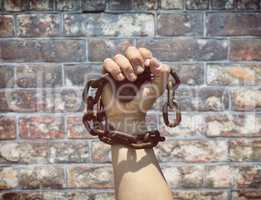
{"points": [[130, 116]]}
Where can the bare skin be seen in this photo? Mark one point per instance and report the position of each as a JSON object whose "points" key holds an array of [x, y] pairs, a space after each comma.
{"points": [[137, 174]]}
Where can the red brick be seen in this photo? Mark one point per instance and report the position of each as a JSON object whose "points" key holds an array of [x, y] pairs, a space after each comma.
{"points": [[186, 49], [197, 4], [43, 127], [233, 24], [247, 177], [19, 101], [222, 4], [67, 5], [99, 49], [100, 25], [76, 129], [234, 74], [248, 4], [246, 195], [7, 127], [29, 50], [38, 25], [17, 5], [6, 76], [40, 5], [6, 25], [192, 151], [38, 75], [245, 50], [38, 177], [189, 24], [101, 152], [232, 125], [245, 150], [171, 4], [98, 177], [244, 99]]}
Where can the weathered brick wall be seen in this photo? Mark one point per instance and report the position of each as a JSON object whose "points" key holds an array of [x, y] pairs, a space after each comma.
{"points": [[46, 48]]}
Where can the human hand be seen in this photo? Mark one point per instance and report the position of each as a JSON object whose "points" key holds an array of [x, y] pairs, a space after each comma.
{"points": [[130, 116]]}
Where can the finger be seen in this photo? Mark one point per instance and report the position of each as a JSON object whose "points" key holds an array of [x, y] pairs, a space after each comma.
{"points": [[113, 68], [146, 54], [125, 67], [135, 58]]}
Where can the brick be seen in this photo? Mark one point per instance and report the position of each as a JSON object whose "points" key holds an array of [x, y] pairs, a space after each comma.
{"points": [[189, 74], [76, 129], [77, 195], [229, 125], [245, 50], [33, 50], [247, 177], [24, 195], [99, 49], [93, 6], [19, 101], [9, 178], [7, 127], [203, 99], [144, 4], [44, 152], [234, 74], [245, 150], [6, 25], [196, 4], [191, 125], [219, 176], [40, 5], [189, 24], [246, 195], [184, 176], [6, 76], [172, 4], [38, 25], [233, 24], [246, 99], [62, 100], [100, 25], [67, 5], [43, 127], [181, 49], [222, 4], [69, 152], [17, 5], [99, 177], [192, 151], [198, 195], [38, 177], [24, 153], [79, 74], [101, 152], [120, 4], [38, 75], [248, 4]]}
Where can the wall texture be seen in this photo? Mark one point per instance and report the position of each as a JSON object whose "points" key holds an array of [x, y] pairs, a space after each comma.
{"points": [[46, 49]]}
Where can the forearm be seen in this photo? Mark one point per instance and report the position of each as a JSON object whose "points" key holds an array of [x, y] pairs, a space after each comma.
{"points": [[137, 175]]}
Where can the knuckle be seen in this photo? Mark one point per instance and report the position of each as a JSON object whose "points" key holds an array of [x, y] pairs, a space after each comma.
{"points": [[117, 56]]}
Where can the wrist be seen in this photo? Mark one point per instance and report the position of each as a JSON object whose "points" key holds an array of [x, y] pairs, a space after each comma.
{"points": [[130, 125]]}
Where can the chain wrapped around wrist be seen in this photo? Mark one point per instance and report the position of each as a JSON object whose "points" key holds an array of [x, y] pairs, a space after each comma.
{"points": [[95, 121]]}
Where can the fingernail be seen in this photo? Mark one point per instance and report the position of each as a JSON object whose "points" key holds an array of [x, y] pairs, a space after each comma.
{"points": [[140, 69], [120, 77], [147, 62], [132, 77]]}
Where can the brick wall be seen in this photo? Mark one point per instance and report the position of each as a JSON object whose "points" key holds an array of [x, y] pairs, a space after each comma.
{"points": [[47, 48]]}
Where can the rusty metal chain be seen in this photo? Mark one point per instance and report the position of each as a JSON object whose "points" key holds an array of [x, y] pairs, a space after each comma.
{"points": [[96, 122]]}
